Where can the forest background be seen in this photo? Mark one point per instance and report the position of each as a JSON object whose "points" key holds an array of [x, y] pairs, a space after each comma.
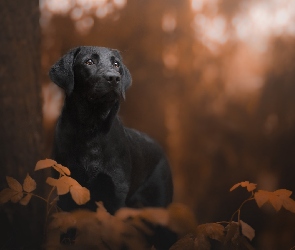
{"points": [[213, 83]]}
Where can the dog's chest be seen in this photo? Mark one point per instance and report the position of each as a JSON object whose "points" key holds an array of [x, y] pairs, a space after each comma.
{"points": [[99, 154]]}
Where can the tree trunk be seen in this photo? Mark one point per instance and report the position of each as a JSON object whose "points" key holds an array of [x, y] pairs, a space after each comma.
{"points": [[21, 118]]}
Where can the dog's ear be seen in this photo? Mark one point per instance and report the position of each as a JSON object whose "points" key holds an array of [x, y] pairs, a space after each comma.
{"points": [[126, 76], [126, 80], [61, 73]]}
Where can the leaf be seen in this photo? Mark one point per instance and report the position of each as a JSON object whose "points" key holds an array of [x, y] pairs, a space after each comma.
{"points": [[6, 194], [61, 169], [24, 201], [261, 197], [250, 186], [62, 187], [65, 184], [47, 163], [247, 230], [29, 184], [283, 193], [234, 239], [289, 204], [214, 231], [16, 198], [14, 184], [187, 243], [80, 194], [232, 231], [235, 186], [275, 201], [181, 219], [69, 180]]}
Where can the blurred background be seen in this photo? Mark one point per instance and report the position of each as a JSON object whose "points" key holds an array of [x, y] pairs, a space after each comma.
{"points": [[213, 83]]}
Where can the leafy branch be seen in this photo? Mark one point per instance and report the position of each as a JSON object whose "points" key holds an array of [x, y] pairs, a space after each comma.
{"points": [[22, 193], [136, 228]]}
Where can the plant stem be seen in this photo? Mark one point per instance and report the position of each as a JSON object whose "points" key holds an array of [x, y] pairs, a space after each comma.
{"points": [[40, 197], [239, 209]]}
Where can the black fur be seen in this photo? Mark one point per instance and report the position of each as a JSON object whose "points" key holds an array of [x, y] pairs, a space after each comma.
{"points": [[120, 166]]}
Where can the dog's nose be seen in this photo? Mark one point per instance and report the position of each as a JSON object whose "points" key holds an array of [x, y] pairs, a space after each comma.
{"points": [[113, 78]]}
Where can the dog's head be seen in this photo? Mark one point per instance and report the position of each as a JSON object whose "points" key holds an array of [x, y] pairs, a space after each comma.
{"points": [[95, 73]]}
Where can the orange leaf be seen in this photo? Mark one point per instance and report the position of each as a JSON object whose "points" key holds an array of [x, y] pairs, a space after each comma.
{"points": [[24, 201], [247, 230], [6, 194], [16, 198], [261, 197], [244, 183], [235, 186], [29, 184], [61, 169], [212, 230], [62, 187], [275, 201], [80, 194], [283, 193], [70, 181], [250, 186], [47, 163], [289, 204], [14, 184]]}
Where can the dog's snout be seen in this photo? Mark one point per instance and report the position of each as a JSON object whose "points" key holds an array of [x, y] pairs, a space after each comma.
{"points": [[113, 78]]}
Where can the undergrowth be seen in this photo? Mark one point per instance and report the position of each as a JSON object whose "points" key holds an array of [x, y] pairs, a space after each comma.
{"points": [[146, 228]]}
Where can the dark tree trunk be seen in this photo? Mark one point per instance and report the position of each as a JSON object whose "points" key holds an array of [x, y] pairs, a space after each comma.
{"points": [[21, 118]]}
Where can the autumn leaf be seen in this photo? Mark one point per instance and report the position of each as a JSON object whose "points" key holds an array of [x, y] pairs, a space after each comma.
{"points": [[47, 163], [69, 180], [24, 201], [232, 231], [67, 184], [234, 239], [6, 194], [62, 186], [261, 197], [14, 184], [275, 201], [235, 186], [16, 198], [250, 186], [247, 230], [289, 204], [214, 231], [283, 192], [181, 219], [80, 194], [190, 242], [61, 169], [29, 184]]}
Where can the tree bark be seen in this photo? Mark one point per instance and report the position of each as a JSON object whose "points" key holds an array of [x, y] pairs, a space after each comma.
{"points": [[21, 117]]}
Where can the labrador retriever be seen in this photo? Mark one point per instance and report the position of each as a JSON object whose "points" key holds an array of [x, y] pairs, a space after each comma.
{"points": [[120, 166]]}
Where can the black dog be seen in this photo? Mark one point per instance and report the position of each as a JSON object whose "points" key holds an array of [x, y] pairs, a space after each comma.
{"points": [[120, 166]]}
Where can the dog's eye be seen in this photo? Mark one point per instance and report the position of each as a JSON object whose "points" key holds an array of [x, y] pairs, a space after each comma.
{"points": [[117, 64], [89, 62]]}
